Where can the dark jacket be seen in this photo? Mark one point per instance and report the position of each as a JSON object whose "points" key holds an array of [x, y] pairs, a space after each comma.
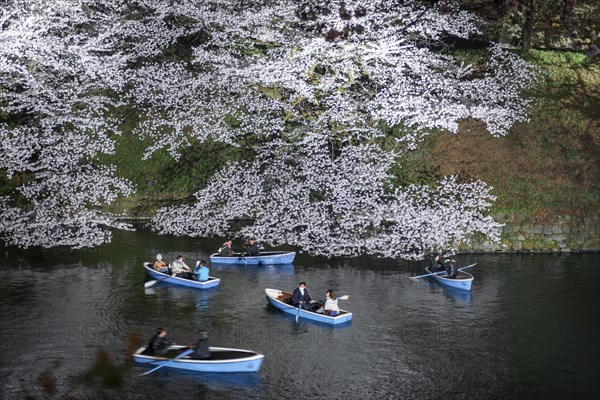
{"points": [[202, 351], [159, 345], [297, 297], [451, 269], [252, 250], [436, 265]]}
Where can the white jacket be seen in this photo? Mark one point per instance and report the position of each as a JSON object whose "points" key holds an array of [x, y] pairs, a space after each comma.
{"points": [[331, 305], [178, 267]]}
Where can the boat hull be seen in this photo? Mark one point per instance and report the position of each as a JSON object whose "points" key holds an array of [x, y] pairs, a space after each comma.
{"points": [[274, 294], [210, 283], [463, 281], [249, 361], [266, 258]]}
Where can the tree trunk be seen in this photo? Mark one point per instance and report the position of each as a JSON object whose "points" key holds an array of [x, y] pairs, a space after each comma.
{"points": [[526, 35], [548, 38]]}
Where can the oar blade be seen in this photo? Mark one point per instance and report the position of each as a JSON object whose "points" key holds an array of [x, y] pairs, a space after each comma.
{"points": [[150, 283], [468, 266]]}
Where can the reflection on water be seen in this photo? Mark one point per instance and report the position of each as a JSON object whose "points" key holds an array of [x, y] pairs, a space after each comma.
{"points": [[249, 380], [528, 328], [280, 269], [182, 295], [276, 313], [448, 293]]}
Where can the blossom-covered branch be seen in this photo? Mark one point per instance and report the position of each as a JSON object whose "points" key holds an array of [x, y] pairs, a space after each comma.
{"points": [[304, 86]]}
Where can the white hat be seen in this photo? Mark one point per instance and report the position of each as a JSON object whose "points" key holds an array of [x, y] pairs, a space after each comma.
{"points": [[158, 257]]}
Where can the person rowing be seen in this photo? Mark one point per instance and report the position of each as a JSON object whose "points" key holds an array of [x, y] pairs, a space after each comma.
{"points": [[436, 264], [159, 344], [180, 269], [252, 248], [300, 297]]}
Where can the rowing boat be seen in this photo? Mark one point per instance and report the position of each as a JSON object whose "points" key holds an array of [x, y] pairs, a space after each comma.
{"points": [[265, 258], [277, 298], [222, 360], [462, 281], [166, 278]]}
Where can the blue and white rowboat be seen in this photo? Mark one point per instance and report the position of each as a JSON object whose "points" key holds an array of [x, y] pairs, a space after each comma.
{"points": [[277, 298], [265, 258], [222, 360], [462, 281], [211, 282]]}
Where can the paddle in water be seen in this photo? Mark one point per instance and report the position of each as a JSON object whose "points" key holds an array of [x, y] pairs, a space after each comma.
{"points": [[298, 312], [152, 283], [468, 266], [181, 355]]}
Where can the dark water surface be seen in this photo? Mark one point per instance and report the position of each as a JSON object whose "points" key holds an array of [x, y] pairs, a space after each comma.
{"points": [[530, 328]]}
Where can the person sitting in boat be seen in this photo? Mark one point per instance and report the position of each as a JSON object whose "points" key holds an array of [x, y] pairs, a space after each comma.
{"points": [[201, 271], [252, 248], [301, 298], [436, 264], [451, 269], [159, 344], [159, 265], [329, 305], [180, 269], [202, 348], [226, 250]]}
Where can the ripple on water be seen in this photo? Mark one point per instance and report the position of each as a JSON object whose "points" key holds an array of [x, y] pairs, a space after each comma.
{"points": [[407, 339]]}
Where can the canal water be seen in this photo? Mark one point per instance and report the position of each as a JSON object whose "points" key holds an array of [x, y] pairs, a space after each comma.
{"points": [[530, 328]]}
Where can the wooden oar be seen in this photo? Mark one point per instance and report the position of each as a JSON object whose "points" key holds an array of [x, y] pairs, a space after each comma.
{"points": [[181, 355], [243, 258], [468, 266], [440, 272], [152, 283]]}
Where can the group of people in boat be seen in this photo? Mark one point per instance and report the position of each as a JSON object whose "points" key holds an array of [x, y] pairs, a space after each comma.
{"points": [[250, 248], [449, 265], [159, 345], [180, 269], [301, 299]]}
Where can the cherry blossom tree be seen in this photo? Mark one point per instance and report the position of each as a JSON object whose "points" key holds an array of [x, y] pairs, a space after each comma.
{"points": [[305, 88], [54, 93], [333, 205], [314, 93]]}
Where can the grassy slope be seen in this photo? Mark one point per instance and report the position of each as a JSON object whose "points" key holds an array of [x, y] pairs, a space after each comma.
{"points": [[550, 165], [161, 174]]}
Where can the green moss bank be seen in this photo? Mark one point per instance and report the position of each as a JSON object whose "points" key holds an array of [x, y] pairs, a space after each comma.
{"points": [[545, 173]]}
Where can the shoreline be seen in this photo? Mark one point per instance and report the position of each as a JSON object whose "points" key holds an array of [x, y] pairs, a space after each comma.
{"points": [[521, 233]]}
